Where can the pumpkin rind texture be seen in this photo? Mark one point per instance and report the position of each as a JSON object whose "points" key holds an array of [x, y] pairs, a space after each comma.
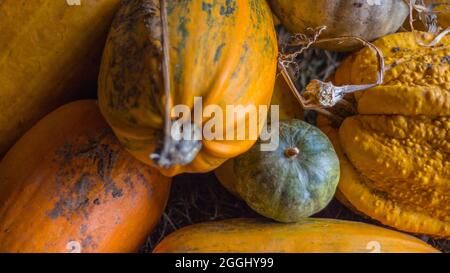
{"points": [[68, 186], [308, 236], [288, 106], [49, 52], [282, 187], [222, 51], [398, 145], [362, 18], [417, 80]]}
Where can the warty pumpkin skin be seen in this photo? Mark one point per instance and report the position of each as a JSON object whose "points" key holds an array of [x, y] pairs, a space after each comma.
{"points": [[397, 147], [222, 51], [49, 51], [295, 181], [363, 18], [68, 186], [308, 236], [416, 82]]}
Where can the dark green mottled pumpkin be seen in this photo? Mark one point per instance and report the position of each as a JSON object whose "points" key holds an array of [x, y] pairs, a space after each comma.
{"points": [[295, 181]]}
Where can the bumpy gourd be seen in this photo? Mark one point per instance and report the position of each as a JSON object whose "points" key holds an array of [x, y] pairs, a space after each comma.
{"points": [[49, 55], [363, 18], [68, 186], [308, 236], [294, 181], [223, 51], [399, 143]]}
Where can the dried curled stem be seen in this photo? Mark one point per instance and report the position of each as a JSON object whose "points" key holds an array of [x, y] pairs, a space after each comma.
{"points": [[302, 40], [172, 150], [320, 95], [428, 16]]}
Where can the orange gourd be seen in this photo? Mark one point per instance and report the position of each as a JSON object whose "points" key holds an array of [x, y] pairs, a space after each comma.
{"points": [[222, 51], [307, 236], [68, 186]]}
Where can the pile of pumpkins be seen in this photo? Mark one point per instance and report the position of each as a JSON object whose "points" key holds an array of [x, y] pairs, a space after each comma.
{"points": [[81, 176]]}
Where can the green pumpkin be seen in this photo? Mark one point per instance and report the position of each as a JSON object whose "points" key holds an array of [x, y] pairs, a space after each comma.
{"points": [[295, 181]]}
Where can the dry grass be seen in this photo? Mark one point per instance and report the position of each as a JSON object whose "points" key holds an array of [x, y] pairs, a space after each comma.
{"points": [[200, 198]]}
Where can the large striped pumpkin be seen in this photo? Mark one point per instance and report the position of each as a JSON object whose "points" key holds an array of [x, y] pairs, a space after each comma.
{"points": [[223, 51]]}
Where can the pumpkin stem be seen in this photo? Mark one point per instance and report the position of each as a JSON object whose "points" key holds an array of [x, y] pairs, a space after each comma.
{"points": [[172, 151], [318, 94], [292, 152]]}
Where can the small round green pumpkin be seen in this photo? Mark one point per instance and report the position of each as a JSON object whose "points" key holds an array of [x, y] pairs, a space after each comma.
{"points": [[295, 181]]}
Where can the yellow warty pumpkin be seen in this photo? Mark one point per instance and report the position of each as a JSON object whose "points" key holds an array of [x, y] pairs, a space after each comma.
{"points": [[223, 51], [396, 166]]}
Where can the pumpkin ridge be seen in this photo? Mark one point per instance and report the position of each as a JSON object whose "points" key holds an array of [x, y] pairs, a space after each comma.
{"points": [[395, 63], [228, 68], [404, 67]]}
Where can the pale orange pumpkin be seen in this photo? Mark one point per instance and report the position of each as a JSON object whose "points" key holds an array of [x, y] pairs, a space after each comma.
{"points": [[69, 186]]}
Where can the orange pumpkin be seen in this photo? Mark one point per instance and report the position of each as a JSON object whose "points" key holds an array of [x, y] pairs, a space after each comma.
{"points": [[307, 236], [224, 51], [68, 186], [50, 54]]}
